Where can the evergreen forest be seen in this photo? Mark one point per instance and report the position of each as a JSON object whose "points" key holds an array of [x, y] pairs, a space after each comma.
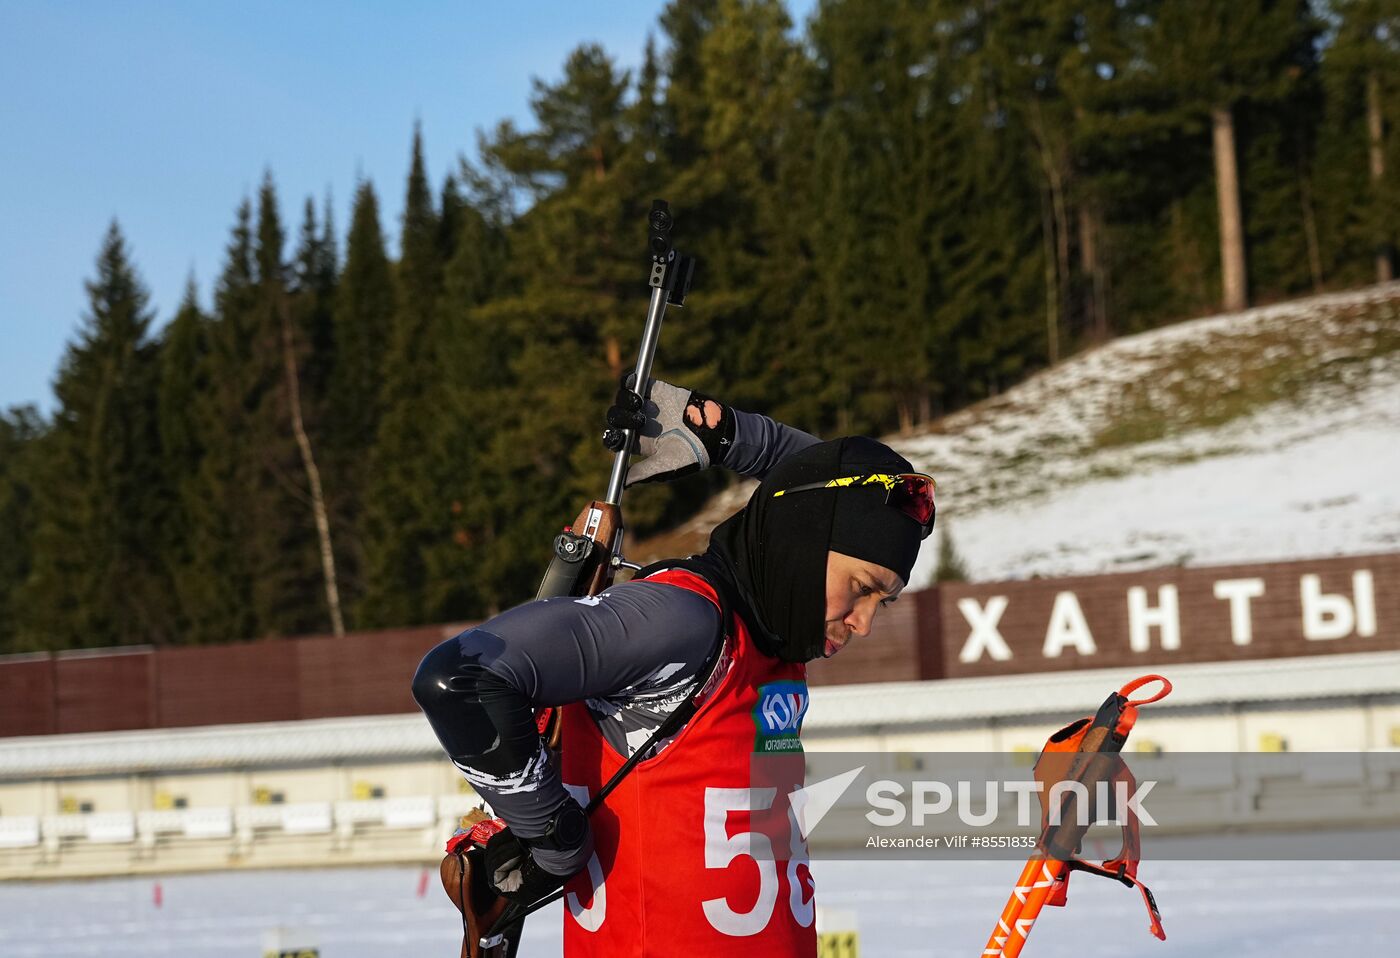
{"points": [[899, 208]]}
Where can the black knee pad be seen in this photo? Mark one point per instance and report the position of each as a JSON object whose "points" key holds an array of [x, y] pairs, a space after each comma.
{"points": [[479, 718]]}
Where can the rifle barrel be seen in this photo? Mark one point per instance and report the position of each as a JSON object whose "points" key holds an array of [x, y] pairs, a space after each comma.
{"points": [[650, 334]]}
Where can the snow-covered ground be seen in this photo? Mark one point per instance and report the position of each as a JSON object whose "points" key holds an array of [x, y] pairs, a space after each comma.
{"points": [[1285, 483], [1033, 483], [1248, 909]]}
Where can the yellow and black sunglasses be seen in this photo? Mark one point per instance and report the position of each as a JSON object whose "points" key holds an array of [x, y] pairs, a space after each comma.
{"points": [[911, 493]]}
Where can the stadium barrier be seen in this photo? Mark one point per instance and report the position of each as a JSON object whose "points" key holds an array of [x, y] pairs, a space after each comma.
{"points": [[1242, 793], [1157, 618]]}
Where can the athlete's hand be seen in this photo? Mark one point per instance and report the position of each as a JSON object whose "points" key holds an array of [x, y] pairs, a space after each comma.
{"points": [[678, 431], [513, 873]]}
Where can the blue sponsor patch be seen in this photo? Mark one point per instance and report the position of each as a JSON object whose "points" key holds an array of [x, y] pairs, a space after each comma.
{"points": [[778, 716]]}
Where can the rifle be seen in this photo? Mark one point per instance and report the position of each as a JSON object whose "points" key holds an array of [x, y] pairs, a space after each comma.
{"points": [[586, 557], [588, 553], [1083, 752]]}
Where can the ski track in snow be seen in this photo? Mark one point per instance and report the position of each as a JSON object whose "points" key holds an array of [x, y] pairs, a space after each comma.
{"points": [[903, 908]]}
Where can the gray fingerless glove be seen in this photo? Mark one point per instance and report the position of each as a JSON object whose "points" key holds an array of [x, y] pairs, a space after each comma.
{"points": [[683, 432]]}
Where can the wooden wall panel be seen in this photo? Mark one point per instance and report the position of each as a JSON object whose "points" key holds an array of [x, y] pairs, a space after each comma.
{"points": [[27, 700], [367, 673], [925, 635], [226, 684], [1031, 631], [104, 690]]}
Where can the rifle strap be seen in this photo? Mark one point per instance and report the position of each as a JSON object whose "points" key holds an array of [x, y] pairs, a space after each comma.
{"points": [[686, 710], [672, 724]]}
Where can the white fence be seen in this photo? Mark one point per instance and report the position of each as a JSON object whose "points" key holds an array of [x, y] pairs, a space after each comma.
{"points": [[411, 828], [246, 822], [329, 770]]}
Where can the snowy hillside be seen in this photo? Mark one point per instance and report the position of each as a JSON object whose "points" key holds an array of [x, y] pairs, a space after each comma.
{"points": [[1270, 434]]}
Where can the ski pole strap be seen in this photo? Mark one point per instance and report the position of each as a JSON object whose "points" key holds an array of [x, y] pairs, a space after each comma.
{"points": [[1139, 682], [673, 723], [1120, 873], [1085, 752], [1128, 710]]}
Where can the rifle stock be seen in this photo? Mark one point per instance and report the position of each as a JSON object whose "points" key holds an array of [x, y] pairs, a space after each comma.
{"points": [[464, 879], [582, 566], [583, 553]]}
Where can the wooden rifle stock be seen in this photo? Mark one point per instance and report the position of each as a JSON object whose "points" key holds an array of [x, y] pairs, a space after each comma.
{"points": [[583, 553]]}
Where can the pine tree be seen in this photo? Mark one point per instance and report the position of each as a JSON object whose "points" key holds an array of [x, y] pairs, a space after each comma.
{"points": [[1364, 60], [183, 369], [217, 590], [451, 211], [1279, 146], [473, 355], [279, 532], [362, 317], [951, 567], [1125, 149], [877, 182], [685, 24], [20, 431], [1209, 63], [95, 578], [574, 314], [747, 63], [308, 343], [403, 511], [313, 301], [918, 214]]}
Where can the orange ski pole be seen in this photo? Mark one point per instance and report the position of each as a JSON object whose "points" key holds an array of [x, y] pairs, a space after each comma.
{"points": [[1090, 741], [1023, 907]]}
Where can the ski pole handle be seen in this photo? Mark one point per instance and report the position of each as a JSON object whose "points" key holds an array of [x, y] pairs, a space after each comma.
{"points": [[1139, 682]]}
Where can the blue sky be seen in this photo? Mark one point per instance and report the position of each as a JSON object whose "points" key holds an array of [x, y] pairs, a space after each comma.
{"points": [[164, 115]]}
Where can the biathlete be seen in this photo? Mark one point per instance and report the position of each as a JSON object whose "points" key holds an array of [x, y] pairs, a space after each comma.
{"points": [[673, 862]]}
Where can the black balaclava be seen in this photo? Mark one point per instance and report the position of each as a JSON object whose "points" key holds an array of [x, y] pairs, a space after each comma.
{"points": [[772, 554]]}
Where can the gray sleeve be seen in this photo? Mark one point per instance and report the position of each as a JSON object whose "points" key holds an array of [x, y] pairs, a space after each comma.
{"points": [[562, 650], [555, 651], [760, 443]]}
